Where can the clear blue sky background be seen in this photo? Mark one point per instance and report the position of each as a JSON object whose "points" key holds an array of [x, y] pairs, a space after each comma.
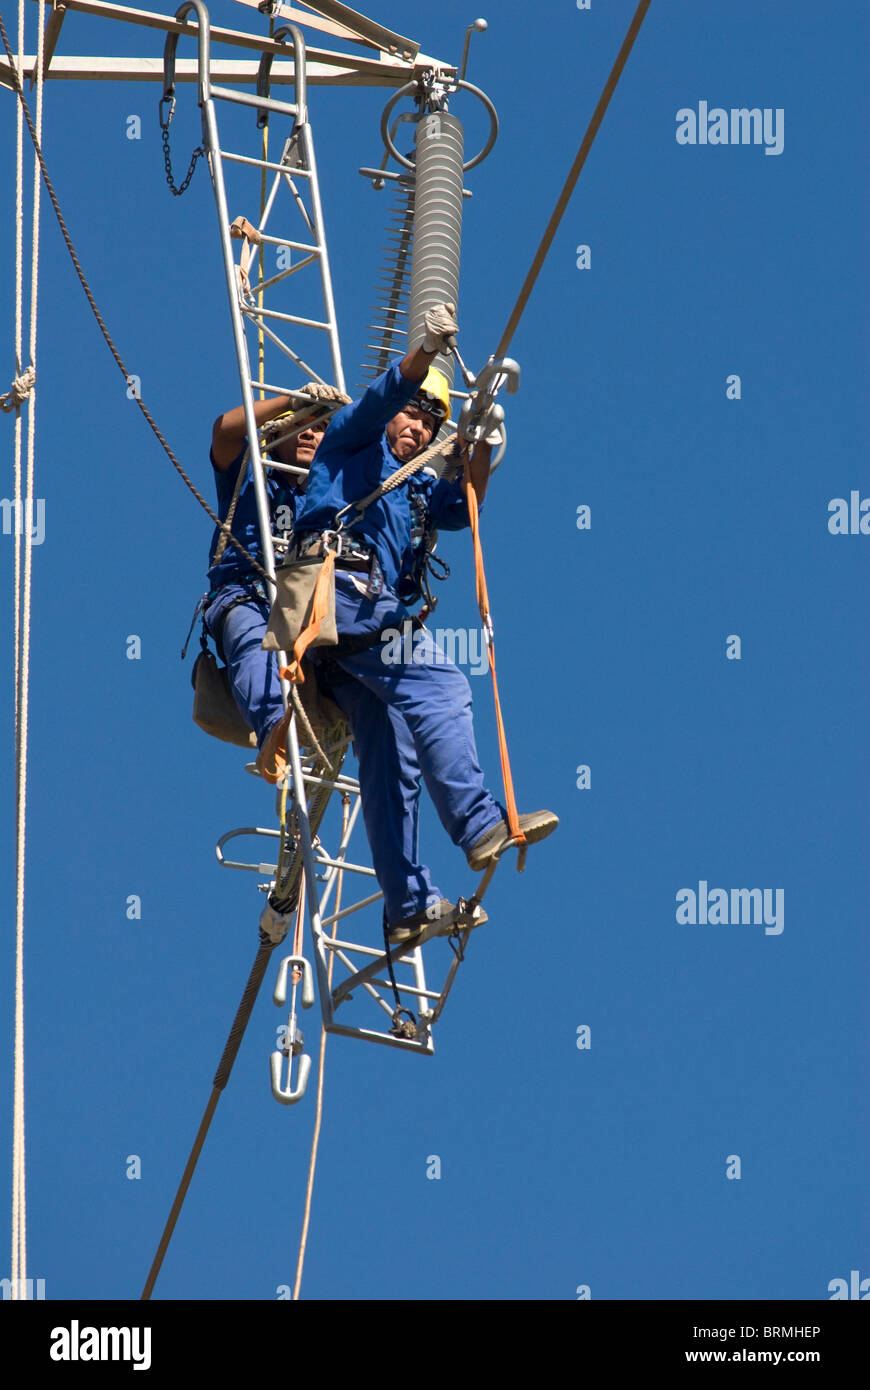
{"points": [[560, 1167]]}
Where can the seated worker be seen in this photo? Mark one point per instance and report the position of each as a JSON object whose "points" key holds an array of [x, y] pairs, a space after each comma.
{"points": [[237, 607], [410, 719]]}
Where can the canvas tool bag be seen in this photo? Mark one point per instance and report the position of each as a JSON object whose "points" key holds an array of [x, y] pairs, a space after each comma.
{"points": [[303, 609], [214, 708], [216, 712]]}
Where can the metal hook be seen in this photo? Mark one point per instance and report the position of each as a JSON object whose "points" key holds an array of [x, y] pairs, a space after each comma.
{"points": [[203, 53], [280, 995], [282, 1088], [264, 72], [287, 1094]]}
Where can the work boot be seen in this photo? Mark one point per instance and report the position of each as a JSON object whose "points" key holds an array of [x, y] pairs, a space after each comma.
{"points": [[272, 758], [403, 930], [535, 826]]}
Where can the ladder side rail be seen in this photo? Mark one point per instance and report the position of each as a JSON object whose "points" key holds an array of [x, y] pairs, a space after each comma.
{"points": [[311, 861], [212, 144], [320, 240], [321, 958], [216, 167]]}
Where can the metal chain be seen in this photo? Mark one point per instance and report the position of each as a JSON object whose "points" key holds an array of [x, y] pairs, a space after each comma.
{"points": [[167, 158]]}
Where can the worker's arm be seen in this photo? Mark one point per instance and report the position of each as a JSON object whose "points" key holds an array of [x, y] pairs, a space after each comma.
{"points": [[416, 364], [230, 430], [439, 324], [364, 420]]}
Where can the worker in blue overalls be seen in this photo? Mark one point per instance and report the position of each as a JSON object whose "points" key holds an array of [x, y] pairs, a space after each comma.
{"points": [[410, 719], [237, 607]]}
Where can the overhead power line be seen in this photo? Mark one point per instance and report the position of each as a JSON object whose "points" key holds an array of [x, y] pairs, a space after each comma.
{"points": [[573, 176]]}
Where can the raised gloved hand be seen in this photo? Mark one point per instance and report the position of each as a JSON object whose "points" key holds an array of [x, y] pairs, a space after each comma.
{"points": [[440, 323]]}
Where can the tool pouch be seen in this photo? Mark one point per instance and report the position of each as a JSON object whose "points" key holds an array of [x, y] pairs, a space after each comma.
{"points": [[293, 610], [214, 708]]}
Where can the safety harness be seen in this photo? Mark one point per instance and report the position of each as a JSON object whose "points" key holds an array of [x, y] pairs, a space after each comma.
{"points": [[341, 550]]}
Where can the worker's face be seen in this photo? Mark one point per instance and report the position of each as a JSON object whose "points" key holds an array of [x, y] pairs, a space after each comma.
{"points": [[410, 431], [300, 450]]}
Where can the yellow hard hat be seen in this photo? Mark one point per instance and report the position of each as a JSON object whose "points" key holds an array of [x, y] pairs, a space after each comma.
{"points": [[433, 395]]}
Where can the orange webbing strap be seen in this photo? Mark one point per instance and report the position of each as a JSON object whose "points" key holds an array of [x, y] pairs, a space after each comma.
{"points": [[483, 604], [319, 610]]}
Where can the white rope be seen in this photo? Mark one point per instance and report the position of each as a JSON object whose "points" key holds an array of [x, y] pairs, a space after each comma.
{"points": [[18, 1057], [321, 1076], [24, 509], [21, 387]]}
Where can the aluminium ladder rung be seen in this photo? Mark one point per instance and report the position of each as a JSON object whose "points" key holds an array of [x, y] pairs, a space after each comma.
{"points": [[294, 245], [253, 312], [284, 108], [369, 1035], [346, 912], [266, 164], [260, 285]]}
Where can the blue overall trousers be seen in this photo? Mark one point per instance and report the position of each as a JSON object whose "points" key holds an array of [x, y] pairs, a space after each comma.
{"points": [[411, 722]]}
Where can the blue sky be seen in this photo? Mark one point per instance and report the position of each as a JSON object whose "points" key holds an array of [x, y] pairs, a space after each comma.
{"points": [[560, 1167]]}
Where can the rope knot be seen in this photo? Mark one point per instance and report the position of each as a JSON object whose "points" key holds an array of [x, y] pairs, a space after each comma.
{"points": [[324, 392], [19, 390]]}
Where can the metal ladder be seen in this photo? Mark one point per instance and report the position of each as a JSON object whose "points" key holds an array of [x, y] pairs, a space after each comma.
{"points": [[364, 965]]}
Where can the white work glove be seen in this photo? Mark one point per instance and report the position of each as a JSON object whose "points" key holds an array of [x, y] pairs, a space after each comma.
{"points": [[440, 323]]}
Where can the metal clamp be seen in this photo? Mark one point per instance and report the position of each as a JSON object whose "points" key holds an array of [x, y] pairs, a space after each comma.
{"points": [[480, 412], [282, 1088], [458, 83]]}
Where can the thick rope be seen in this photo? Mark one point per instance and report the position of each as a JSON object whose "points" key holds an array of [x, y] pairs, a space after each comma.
{"points": [[445, 446], [308, 733], [225, 1066], [19, 390], [226, 528], [573, 175]]}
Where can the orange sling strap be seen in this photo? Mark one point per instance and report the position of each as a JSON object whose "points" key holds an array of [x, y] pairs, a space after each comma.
{"points": [[319, 610], [470, 495]]}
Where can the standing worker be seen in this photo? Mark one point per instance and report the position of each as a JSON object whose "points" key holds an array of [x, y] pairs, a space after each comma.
{"points": [[411, 719]]}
